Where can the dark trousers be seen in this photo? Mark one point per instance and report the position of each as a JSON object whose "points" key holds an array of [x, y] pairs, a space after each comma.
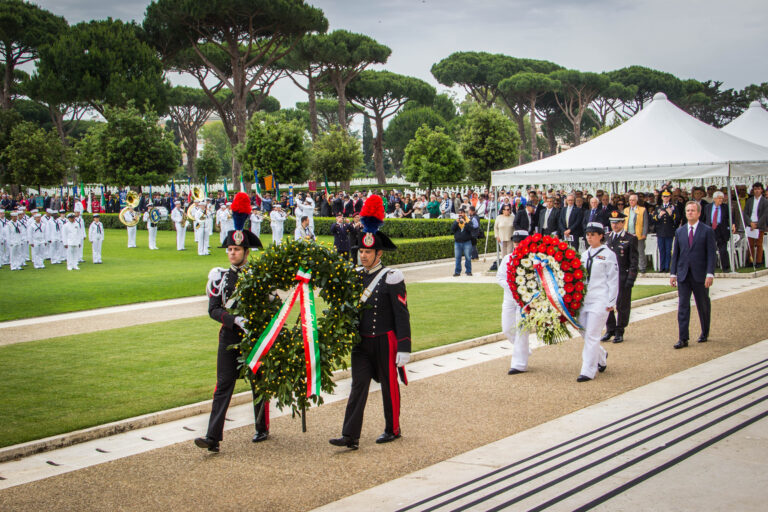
{"points": [[373, 358], [664, 244], [722, 251], [703, 306], [226, 378], [623, 305], [475, 256]]}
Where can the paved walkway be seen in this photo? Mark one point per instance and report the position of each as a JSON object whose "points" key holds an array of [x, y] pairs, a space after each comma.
{"points": [[629, 366]]}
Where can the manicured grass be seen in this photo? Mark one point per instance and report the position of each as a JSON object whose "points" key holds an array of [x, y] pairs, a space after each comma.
{"points": [[642, 291], [95, 378], [126, 276]]}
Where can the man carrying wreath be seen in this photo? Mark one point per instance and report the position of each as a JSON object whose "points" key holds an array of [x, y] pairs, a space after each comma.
{"points": [[385, 332]]}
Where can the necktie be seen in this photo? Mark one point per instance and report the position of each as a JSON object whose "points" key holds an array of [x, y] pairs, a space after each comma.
{"points": [[690, 237], [715, 216], [568, 217], [591, 215], [98, 228]]}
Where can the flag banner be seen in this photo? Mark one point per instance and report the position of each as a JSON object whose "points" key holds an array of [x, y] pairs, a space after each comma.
{"points": [[290, 195], [206, 186], [258, 188]]}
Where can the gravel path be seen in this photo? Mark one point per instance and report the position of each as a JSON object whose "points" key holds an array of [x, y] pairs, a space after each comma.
{"points": [[442, 417]]}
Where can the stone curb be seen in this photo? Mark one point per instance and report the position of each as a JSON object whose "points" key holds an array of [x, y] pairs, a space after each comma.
{"points": [[718, 275], [22, 450]]}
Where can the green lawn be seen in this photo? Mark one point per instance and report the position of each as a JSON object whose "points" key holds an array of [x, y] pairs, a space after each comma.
{"points": [[648, 290], [95, 378], [126, 276]]}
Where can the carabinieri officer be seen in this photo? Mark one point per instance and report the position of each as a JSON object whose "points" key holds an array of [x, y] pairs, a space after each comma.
{"points": [[385, 333], [624, 246], [221, 288], [602, 273]]}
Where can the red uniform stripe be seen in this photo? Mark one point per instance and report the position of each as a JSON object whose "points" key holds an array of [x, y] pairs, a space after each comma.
{"points": [[394, 387]]}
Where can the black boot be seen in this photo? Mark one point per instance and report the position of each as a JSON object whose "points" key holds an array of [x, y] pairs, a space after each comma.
{"points": [[345, 441], [207, 442]]}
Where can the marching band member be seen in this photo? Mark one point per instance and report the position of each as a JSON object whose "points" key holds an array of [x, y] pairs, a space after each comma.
{"points": [[178, 217], [200, 230], [277, 216], [36, 236], [96, 237], [511, 314], [304, 231], [385, 333], [71, 238], [228, 222], [256, 219], [129, 217], [221, 215], [208, 224], [151, 228], [602, 271], [221, 287], [305, 207], [196, 224]]}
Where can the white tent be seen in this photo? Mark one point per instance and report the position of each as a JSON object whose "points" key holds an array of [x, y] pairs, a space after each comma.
{"points": [[752, 125], [661, 142]]}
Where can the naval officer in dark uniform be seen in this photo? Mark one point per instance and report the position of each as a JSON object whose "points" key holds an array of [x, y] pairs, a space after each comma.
{"points": [[624, 245], [221, 288], [385, 333]]}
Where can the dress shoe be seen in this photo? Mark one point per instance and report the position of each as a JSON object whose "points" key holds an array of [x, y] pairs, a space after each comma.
{"points": [[619, 338], [601, 367], [607, 336], [582, 378], [207, 442], [469, 274], [681, 344], [345, 441], [386, 437], [260, 436], [702, 339], [513, 371], [456, 275]]}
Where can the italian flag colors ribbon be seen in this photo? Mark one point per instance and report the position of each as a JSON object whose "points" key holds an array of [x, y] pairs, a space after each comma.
{"points": [[549, 284], [303, 291]]}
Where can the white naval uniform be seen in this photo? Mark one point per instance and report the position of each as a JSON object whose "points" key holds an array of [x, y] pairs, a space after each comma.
{"points": [[196, 224], [255, 224], [36, 236], [24, 224], [208, 226], [306, 208], [58, 254], [5, 252], [15, 237], [71, 238], [302, 233], [151, 231], [129, 217], [602, 291], [221, 216], [510, 318], [80, 223], [177, 217], [96, 237], [276, 223], [200, 232], [46, 221], [227, 224]]}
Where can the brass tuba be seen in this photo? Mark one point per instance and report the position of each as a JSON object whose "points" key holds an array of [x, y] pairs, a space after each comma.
{"points": [[132, 198], [197, 195]]}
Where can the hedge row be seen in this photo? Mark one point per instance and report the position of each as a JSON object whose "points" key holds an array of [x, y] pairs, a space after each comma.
{"points": [[409, 251], [395, 228]]}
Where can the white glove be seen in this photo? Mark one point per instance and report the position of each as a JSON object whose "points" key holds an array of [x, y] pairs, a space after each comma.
{"points": [[240, 322], [402, 358]]}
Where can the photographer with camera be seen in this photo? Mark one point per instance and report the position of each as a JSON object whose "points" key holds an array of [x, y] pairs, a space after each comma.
{"points": [[462, 243]]}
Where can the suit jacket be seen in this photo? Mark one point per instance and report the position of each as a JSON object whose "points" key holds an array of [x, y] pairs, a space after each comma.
{"points": [[723, 229], [521, 222], [575, 223], [625, 249], [600, 216], [551, 227], [699, 258], [762, 211]]}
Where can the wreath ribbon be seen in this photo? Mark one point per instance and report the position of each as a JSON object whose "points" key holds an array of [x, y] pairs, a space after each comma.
{"points": [[303, 291], [549, 284]]}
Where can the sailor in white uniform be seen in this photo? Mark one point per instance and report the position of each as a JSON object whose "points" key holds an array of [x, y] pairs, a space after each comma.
{"points": [[305, 207], [277, 217], [71, 238], [80, 223], [511, 315], [178, 217], [5, 253], [96, 237], [130, 216], [256, 219], [58, 236], [151, 229], [15, 236], [602, 273], [36, 236]]}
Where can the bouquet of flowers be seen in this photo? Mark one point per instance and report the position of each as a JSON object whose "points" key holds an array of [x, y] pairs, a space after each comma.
{"points": [[547, 281]]}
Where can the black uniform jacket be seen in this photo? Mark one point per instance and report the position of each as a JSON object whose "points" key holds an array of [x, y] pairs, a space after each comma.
{"points": [[387, 308], [217, 304], [625, 248]]}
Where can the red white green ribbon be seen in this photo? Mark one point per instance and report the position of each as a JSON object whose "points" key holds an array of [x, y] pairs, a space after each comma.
{"points": [[308, 330]]}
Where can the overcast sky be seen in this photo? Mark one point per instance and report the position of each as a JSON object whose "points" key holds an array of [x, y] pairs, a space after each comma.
{"points": [[701, 39]]}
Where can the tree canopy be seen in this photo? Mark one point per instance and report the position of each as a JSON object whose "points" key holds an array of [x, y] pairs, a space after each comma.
{"points": [[275, 145], [489, 142], [402, 128], [335, 155], [433, 157], [35, 157]]}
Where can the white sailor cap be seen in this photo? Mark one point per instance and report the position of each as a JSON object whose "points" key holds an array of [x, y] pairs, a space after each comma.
{"points": [[70, 215], [177, 202], [48, 210], [595, 227], [33, 211], [38, 215], [62, 210], [520, 232], [14, 213]]}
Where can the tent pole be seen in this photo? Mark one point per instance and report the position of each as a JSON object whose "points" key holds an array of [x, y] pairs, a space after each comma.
{"points": [[488, 228], [732, 250], [495, 215]]}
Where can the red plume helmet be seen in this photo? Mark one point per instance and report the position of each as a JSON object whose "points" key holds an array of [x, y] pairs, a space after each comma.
{"points": [[372, 214], [241, 209]]}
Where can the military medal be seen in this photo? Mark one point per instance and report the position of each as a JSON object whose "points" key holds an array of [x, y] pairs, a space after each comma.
{"points": [[237, 236], [368, 240]]}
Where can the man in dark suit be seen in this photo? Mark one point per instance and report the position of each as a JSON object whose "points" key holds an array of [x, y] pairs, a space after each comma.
{"points": [[717, 216], [624, 245], [548, 218], [693, 270], [570, 221], [594, 214], [524, 220]]}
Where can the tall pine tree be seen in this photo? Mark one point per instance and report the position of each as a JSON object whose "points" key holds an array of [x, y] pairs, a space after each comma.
{"points": [[367, 143]]}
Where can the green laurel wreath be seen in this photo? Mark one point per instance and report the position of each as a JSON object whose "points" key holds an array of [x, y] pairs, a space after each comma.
{"points": [[283, 368]]}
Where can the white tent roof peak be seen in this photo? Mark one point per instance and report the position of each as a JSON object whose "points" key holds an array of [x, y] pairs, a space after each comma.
{"points": [[751, 125], [660, 142]]}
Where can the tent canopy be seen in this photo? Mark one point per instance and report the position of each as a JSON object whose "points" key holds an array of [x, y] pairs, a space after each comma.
{"points": [[661, 142], [751, 125]]}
